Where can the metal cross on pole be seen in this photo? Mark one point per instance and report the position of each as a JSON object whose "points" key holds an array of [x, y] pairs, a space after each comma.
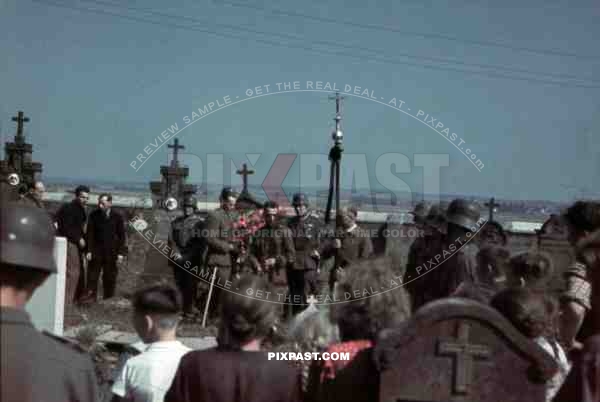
{"points": [[335, 157]]}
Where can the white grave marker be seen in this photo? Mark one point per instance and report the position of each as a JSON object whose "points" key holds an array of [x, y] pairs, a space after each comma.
{"points": [[47, 305]]}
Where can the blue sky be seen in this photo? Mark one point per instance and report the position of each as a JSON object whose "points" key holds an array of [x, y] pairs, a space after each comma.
{"points": [[99, 88]]}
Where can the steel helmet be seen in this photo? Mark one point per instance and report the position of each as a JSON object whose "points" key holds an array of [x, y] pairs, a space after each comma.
{"points": [[463, 213], [26, 238], [190, 201], [227, 192], [299, 199]]}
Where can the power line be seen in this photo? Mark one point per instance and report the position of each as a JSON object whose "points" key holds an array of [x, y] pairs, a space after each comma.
{"points": [[434, 35], [371, 51], [327, 52]]}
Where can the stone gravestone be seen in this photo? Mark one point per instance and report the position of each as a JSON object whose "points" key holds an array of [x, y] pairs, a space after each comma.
{"points": [[47, 304], [553, 241], [460, 350], [156, 266]]}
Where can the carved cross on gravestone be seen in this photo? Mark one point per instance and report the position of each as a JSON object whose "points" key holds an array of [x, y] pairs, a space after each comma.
{"points": [[20, 119], [176, 147], [245, 172], [492, 205], [463, 353]]}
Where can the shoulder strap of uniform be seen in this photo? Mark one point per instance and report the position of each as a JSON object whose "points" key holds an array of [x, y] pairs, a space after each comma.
{"points": [[66, 341]]}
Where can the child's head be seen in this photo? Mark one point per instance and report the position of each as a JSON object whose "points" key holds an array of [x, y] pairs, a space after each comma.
{"points": [[156, 312], [530, 269], [491, 265], [527, 310]]}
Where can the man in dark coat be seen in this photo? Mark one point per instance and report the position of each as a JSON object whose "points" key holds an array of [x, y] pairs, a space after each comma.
{"points": [[35, 366], [302, 276], [70, 221], [107, 247]]}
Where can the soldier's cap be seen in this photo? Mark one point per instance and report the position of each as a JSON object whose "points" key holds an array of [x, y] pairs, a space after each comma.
{"points": [[463, 213], [299, 199], [344, 217], [228, 192], [190, 202], [419, 211], [26, 238], [436, 216], [271, 208]]}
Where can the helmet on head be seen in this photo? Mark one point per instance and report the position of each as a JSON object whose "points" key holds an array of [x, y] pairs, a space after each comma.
{"points": [[463, 213], [226, 193], [26, 238], [190, 202], [436, 216], [419, 212], [299, 199]]}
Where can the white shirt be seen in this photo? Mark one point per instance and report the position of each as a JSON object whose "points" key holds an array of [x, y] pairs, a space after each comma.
{"points": [[148, 376], [557, 352]]}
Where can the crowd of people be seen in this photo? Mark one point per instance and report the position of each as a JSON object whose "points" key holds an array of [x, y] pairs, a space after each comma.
{"points": [[565, 324]]}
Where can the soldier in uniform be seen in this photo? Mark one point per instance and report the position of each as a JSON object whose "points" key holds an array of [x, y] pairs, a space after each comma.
{"points": [[35, 366], [450, 260], [34, 194], [181, 239], [302, 276], [351, 245], [421, 249], [222, 249]]}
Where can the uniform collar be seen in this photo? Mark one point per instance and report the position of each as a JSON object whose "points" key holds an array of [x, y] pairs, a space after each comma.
{"points": [[14, 316]]}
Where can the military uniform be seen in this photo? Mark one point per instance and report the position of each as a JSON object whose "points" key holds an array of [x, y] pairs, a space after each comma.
{"points": [[273, 242], [35, 367], [222, 249], [183, 232], [29, 199], [39, 367], [356, 245], [302, 275], [439, 263]]}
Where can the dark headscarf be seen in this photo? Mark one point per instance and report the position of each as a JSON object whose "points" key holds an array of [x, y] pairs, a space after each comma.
{"points": [[583, 382]]}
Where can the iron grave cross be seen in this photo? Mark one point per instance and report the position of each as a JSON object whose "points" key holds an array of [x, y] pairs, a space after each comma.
{"points": [[20, 119], [244, 172], [176, 147], [463, 353], [491, 208]]}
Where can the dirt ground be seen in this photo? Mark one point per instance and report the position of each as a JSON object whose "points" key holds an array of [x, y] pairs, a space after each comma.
{"points": [[117, 312]]}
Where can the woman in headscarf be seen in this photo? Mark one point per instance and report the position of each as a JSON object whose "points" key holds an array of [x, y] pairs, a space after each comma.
{"points": [[583, 382]]}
